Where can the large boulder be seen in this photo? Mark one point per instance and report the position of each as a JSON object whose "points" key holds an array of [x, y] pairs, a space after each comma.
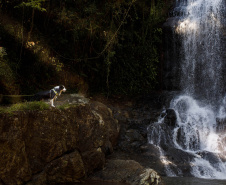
{"points": [[127, 171], [55, 146]]}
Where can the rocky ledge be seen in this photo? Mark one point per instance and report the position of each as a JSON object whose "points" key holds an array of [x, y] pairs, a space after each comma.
{"points": [[55, 146], [70, 145]]}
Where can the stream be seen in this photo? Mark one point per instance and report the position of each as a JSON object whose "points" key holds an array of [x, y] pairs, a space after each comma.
{"points": [[191, 181]]}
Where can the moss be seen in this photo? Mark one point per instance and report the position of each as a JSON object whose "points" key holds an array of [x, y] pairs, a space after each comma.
{"points": [[66, 106], [36, 105]]}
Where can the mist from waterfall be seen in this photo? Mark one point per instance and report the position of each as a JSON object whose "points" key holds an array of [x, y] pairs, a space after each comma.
{"points": [[202, 101]]}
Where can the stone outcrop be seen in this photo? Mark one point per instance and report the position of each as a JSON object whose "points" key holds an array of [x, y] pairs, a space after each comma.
{"points": [[55, 146], [128, 171]]}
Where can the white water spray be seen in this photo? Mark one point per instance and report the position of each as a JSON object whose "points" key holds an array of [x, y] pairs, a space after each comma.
{"points": [[203, 101], [196, 133]]}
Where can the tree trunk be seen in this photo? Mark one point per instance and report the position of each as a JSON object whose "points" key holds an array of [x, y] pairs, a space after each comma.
{"points": [[32, 24]]}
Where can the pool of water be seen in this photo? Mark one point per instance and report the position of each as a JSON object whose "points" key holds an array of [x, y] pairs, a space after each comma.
{"points": [[191, 181], [166, 181], [89, 182]]}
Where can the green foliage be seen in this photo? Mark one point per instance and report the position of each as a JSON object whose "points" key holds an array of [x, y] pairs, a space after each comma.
{"points": [[35, 4], [5, 70], [113, 46], [25, 106], [2, 52], [7, 76], [133, 67]]}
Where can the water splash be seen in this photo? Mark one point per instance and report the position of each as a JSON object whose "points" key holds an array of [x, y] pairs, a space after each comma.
{"points": [[196, 125], [156, 138], [203, 168], [202, 106], [195, 134]]}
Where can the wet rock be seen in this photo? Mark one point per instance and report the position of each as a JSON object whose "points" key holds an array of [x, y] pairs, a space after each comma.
{"points": [[211, 157], [131, 140], [133, 135], [179, 161], [194, 143], [128, 171], [221, 125], [170, 118]]}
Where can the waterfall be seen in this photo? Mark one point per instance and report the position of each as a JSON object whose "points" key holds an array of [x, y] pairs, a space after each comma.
{"points": [[197, 139], [201, 68]]}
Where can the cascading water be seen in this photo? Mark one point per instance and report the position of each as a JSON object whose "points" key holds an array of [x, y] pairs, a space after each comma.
{"points": [[201, 64], [196, 143]]}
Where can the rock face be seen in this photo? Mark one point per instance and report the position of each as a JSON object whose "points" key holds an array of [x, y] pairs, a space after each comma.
{"points": [[133, 157], [55, 146], [172, 56]]}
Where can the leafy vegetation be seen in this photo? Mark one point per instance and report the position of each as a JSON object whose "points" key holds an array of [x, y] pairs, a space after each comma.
{"points": [[6, 74], [91, 46]]}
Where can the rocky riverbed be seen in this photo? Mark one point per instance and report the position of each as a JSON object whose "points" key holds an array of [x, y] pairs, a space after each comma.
{"points": [[132, 152]]}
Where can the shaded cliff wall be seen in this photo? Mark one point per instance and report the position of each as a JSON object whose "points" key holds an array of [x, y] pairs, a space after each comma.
{"points": [[172, 55], [55, 146], [172, 47]]}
